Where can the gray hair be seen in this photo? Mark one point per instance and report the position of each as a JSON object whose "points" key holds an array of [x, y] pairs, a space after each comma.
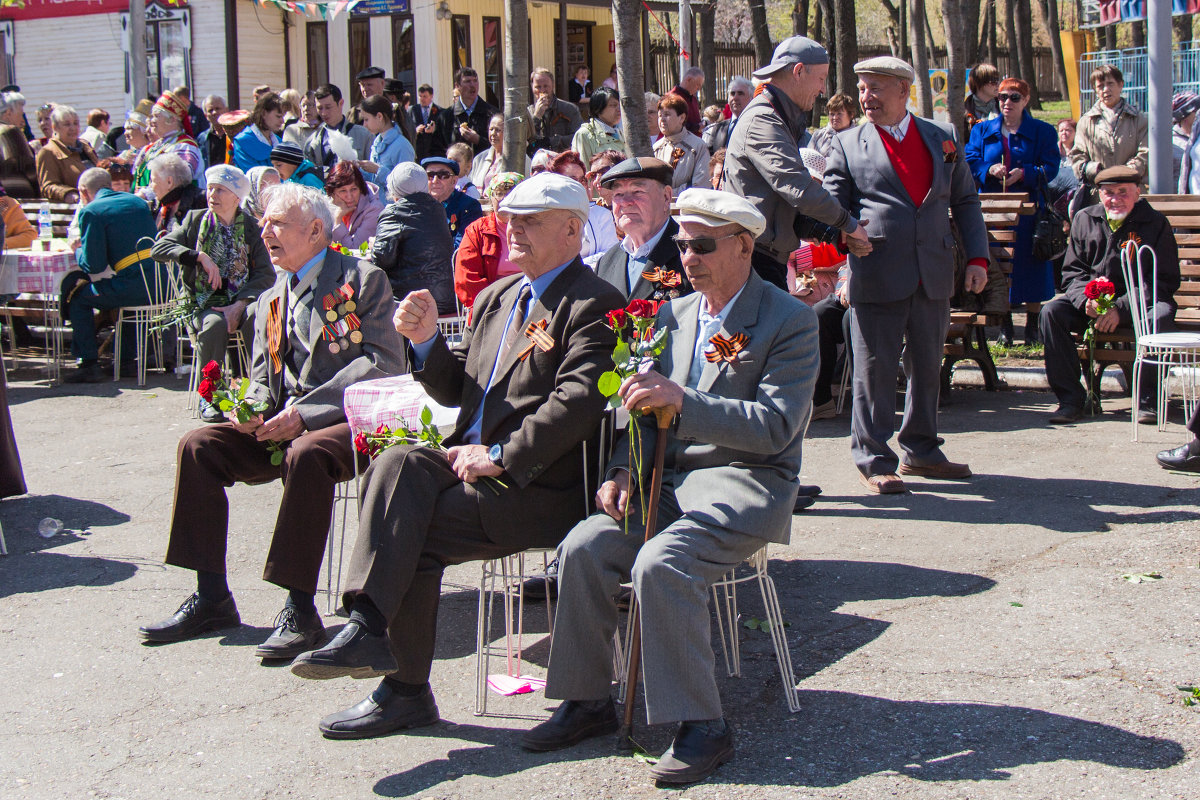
{"points": [[171, 167], [11, 100], [60, 114], [693, 72], [652, 100], [310, 203], [94, 179], [215, 98], [740, 80]]}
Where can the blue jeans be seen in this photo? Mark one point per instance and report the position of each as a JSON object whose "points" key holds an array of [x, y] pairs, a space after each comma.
{"points": [[126, 288]]}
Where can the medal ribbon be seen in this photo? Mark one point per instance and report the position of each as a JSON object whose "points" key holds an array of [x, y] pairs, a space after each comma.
{"points": [[726, 348], [274, 333]]}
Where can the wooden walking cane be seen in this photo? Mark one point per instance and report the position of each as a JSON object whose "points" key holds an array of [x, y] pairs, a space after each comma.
{"points": [[663, 416]]}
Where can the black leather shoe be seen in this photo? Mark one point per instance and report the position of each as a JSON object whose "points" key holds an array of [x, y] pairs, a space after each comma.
{"points": [[536, 589], [570, 724], [1065, 415], [693, 756], [383, 712], [129, 369], [1185, 458], [1147, 417], [195, 616], [295, 632], [210, 413], [803, 502], [809, 490], [353, 653], [87, 373]]}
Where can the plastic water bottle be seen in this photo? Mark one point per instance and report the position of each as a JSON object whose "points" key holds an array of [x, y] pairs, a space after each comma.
{"points": [[45, 225], [49, 527]]}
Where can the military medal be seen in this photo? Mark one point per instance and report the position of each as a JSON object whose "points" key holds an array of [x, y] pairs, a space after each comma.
{"points": [[350, 306], [331, 315], [356, 337], [341, 310], [335, 348]]}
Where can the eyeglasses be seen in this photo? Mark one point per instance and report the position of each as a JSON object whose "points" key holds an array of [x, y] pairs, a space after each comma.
{"points": [[439, 175], [701, 245], [1015, 97]]}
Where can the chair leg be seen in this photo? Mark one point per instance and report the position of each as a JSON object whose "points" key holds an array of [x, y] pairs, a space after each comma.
{"points": [[725, 601], [117, 346], [778, 634], [483, 629]]}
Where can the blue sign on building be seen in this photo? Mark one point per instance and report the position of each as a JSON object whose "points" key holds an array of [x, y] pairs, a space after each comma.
{"points": [[367, 7]]}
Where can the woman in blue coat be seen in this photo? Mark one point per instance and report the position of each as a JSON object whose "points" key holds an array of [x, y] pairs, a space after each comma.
{"points": [[1016, 153]]}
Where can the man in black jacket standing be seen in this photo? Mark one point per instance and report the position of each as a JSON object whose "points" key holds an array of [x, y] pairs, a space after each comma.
{"points": [[467, 119]]}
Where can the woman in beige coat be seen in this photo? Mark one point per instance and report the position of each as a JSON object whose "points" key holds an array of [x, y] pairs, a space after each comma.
{"points": [[1109, 134]]}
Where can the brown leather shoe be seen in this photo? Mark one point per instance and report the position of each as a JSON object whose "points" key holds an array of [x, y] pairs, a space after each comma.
{"points": [[883, 484], [945, 471]]}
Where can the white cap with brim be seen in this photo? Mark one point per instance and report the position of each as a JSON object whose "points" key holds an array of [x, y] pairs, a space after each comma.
{"points": [[547, 191], [793, 50], [886, 65], [715, 209]]}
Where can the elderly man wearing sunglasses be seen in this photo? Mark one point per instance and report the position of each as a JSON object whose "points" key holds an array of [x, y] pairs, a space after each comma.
{"points": [[738, 372]]}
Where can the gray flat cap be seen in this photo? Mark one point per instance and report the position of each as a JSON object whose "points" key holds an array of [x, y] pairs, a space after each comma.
{"points": [[716, 209], [886, 65], [547, 191], [794, 50]]}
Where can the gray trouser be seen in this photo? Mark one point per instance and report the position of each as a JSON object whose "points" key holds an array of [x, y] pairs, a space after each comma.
{"points": [[671, 574], [212, 336], [878, 332]]}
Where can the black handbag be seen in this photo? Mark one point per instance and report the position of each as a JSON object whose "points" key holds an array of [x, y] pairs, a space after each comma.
{"points": [[1049, 237]]}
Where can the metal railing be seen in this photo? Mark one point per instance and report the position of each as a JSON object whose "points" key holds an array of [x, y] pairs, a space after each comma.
{"points": [[1134, 65]]}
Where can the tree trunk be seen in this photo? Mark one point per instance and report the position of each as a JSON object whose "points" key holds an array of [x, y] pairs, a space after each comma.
{"points": [[1050, 15], [1023, 16], [993, 32], [984, 50], [627, 31], [1137, 33], [706, 57], [970, 28], [818, 21], [1010, 39], [1183, 29], [903, 9], [846, 45], [763, 47], [920, 56], [516, 84], [958, 33], [800, 18], [929, 40]]}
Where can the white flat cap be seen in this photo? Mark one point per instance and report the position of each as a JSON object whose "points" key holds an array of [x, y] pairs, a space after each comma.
{"points": [[886, 65], [547, 191], [717, 209]]}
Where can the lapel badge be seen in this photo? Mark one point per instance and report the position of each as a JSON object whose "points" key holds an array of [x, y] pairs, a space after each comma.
{"points": [[726, 348]]}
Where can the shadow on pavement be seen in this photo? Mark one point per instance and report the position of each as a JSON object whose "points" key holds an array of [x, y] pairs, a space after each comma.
{"points": [[39, 571]]}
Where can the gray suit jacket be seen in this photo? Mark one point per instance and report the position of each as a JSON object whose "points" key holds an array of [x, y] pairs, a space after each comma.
{"points": [[377, 356], [913, 244], [735, 451], [613, 267]]}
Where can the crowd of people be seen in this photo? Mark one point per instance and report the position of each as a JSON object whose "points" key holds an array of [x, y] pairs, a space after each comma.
{"points": [[336, 238]]}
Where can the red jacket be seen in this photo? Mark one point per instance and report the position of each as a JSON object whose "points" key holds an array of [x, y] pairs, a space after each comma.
{"points": [[477, 259]]}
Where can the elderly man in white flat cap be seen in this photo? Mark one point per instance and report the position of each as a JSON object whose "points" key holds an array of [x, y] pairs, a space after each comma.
{"points": [[905, 177], [738, 372], [762, 162], [224, 266], [525, 380]]}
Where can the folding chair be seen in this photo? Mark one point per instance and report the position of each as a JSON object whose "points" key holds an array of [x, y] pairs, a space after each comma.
{"points": [[142, 318]]}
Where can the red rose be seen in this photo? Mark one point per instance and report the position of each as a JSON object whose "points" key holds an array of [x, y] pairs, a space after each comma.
{"points": [[1099, 287], [212, 371], [616, 319], [641, 308], [360, 443], [206, 388]]}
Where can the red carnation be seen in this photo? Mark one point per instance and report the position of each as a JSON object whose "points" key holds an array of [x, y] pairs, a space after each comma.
{"points": [[616, 319], [360, 443], [212, 371], [1099, 287], [206, 387], [641, 308]]}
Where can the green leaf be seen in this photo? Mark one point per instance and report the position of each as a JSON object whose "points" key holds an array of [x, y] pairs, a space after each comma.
{"points": [[243, 416], [243, 387], [615, 402], [765, 626], [225, 406], [426, 415], [753, 623], [260, 407], [1142, 577], [276, 458], [620, 353], [609, 383], [659, 340], [1015, 604]]}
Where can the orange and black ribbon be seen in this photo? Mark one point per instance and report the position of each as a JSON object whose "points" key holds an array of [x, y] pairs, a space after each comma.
{"points": [[535, 332], [663, 277], [275, 333], [726, 348]]}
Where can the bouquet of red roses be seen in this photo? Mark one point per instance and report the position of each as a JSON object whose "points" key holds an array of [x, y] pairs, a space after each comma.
{"points": [[216, 390], [1104, 293]]}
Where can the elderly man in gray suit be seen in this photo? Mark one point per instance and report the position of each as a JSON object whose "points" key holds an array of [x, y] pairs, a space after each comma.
{"points": [[323, 326], [739, 374], [904, 176]]}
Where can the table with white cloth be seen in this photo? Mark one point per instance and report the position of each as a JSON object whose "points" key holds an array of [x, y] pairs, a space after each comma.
{"points": [[39, 275]]}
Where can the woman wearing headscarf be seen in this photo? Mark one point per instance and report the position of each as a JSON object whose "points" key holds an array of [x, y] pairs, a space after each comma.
{"points": [[252, 147], [261, 179], [1184, 132], [412, 243], [358, 206], [482, 257], [224, 266]]}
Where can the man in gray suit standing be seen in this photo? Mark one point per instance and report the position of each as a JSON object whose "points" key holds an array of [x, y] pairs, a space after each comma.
{"points": [[905, 175], [738, 372]]}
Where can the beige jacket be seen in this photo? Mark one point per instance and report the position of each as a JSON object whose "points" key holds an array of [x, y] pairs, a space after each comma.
{"points": [[691, 167], [1099, 146]]}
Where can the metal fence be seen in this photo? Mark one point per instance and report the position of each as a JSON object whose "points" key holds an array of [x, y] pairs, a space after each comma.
{"points": [[732, 59], [1134, 65]]}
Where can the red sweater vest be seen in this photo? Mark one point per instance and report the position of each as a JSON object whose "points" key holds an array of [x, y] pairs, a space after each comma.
{"points": [[911, 160]]}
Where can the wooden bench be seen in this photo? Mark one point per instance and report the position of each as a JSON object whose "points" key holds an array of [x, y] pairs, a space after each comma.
{"points": [[61, 215], [1116, 348], [967, 336]]}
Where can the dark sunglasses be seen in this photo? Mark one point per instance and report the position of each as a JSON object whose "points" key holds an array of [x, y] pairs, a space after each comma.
{"points": [[441, 174], [1015, 97], [701, 245]]}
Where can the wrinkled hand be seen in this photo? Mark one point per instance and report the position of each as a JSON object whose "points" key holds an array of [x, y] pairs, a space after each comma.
{"points": [[368, 166], [857, 242], [249, 426], [470, 462], [613, 496], [1014, 177], [468, 133], [233, 314], [541, 105], [651, 390], [1107, 322], [416, 318], [211, 270], [843, 294], [998, 171], [975, 279], [283, 427]]}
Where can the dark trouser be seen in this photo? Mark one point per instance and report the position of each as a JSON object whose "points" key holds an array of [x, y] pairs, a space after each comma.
{"points": [[1193, 423], [213, 458], [416, 518], [878, 332], [125, 289], [833, 329], [212, 334], [1059, 319], [770, 270]]}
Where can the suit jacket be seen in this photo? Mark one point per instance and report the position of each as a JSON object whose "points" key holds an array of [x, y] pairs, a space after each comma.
{"points": [[555, 130], [478, 119], [358, 134], [717, 135], [428, 144], [914, 245], [183, 246], [735, 452], [613, 267], [111, 227], [378, 355], [540, 409], [59, 168]]}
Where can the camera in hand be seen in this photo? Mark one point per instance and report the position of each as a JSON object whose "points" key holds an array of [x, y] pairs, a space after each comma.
{"points": [[814, 230]]}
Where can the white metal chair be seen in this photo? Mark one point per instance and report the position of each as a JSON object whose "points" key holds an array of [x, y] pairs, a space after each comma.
{"points": [[160, 291], [345, 503], [1169, 353]]}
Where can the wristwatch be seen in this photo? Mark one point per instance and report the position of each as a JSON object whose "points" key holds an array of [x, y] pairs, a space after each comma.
{"points": [[496, 455]]}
